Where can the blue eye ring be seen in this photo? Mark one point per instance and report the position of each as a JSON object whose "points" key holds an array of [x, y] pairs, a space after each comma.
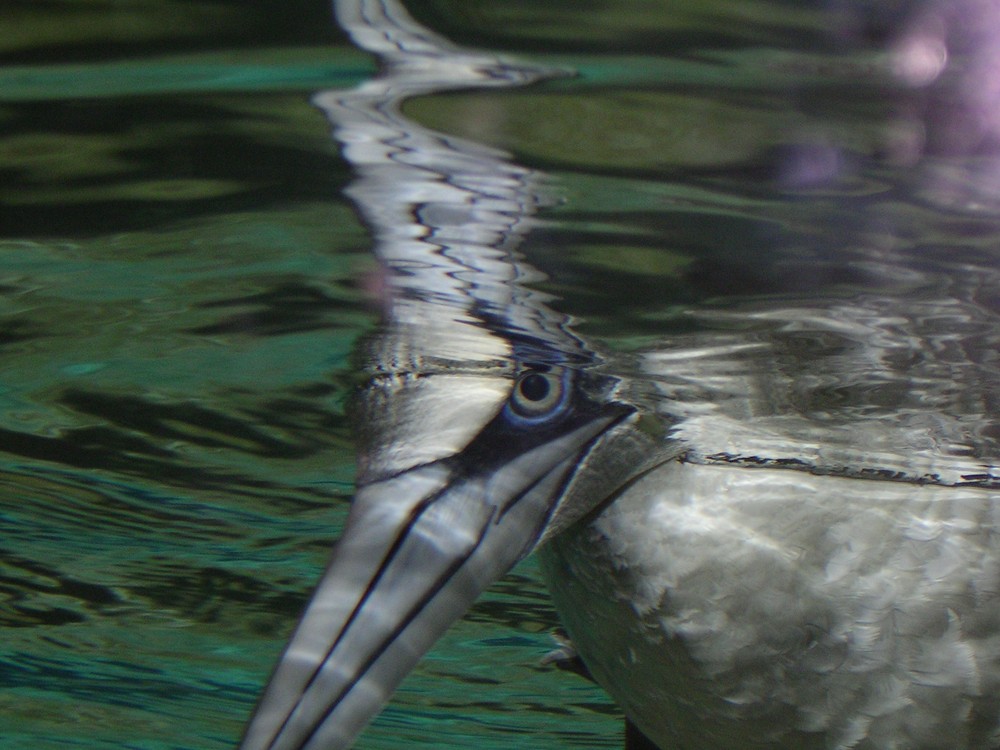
{"points": [[539, 394]]}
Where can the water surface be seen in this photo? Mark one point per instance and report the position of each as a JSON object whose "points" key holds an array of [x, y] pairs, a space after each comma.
{"points": [[183, 285]]}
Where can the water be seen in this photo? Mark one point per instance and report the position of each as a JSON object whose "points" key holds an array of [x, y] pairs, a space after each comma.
{"points": [[183, 285]]}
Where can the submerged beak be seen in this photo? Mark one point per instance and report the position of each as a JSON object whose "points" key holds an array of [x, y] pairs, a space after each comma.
{"points": [[418, 548]]}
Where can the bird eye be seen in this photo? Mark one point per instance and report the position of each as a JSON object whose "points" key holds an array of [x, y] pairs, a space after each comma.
{"points": [[537, 394]]}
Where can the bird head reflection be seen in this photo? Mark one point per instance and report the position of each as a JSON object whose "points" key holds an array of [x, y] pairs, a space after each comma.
{"points": [[482, 412]]}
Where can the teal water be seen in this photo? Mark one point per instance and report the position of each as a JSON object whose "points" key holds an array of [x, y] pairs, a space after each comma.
{"points": [[182, 288], [183, 285]]}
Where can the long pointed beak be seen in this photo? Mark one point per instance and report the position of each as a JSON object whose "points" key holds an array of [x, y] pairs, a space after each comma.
{"points": [[417, 550]]}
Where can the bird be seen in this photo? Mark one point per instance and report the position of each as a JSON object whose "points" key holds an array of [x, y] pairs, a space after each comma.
{"points": [[777, 527]]}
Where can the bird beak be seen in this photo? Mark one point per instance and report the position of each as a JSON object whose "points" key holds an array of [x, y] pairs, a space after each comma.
{"points": [[417, 550]]}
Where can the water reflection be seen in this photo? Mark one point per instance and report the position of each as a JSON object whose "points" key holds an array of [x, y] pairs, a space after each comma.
{"points": [[467, 373], [767, 221]]}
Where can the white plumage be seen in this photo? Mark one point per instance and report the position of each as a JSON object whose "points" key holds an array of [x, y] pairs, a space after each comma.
{"points": [[735, 607]]}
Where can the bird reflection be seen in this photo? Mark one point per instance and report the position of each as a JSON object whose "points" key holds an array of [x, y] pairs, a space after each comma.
{"points": [[778, 529]]}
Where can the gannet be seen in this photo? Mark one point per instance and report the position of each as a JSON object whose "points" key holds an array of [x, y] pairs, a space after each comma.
{"points": [[779, 531]]}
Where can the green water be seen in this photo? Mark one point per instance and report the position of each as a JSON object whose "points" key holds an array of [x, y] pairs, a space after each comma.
{"points": [[181, 293], [182, 285]]}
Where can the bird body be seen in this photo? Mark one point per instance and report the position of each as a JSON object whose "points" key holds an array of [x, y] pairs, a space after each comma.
{"points": [[754, 607]]}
